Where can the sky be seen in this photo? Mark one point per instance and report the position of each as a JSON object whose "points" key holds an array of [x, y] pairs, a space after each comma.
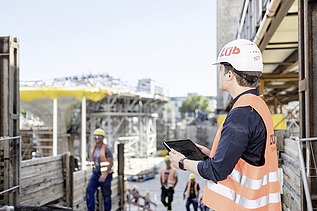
{"points": [[173, 42]]}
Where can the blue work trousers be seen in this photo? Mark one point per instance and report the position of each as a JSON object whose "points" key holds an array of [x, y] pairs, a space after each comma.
{"points": [[192, 201], [105, 189]]}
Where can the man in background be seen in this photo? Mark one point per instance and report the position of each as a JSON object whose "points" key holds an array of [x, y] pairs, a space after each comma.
{"points": [[169, 180], [102, 171], [191, 192]]}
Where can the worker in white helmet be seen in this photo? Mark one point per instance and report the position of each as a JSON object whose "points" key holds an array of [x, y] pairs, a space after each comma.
{"points": [[242, 171], [102, 171]]}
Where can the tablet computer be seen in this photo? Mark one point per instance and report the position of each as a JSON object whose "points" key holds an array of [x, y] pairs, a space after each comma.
{"points": [[187, 148]]}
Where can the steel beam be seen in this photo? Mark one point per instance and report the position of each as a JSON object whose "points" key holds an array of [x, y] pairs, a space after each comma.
{"points": [[276, 21], [269, 77]]}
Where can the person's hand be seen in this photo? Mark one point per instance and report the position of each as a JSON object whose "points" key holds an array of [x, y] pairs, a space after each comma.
{"points": [[175, 157], [204, 149], [102, 177], [184, 196]]}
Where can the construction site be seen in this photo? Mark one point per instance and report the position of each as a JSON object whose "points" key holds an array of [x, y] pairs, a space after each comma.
{"points": [[46, 126]]}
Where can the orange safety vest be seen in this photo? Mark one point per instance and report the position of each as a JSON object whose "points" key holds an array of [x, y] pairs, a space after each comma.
{"points": [[188, 189], [104, 163], [171, 180], [248, 187]]}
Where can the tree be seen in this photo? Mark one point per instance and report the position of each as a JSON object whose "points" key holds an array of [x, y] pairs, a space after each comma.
{"points": [[195, 103]]}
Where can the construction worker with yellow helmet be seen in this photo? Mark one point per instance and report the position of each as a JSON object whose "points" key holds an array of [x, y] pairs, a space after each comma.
{"points": [[191, 192], [242, 168], [101, 177], [169, 179]]}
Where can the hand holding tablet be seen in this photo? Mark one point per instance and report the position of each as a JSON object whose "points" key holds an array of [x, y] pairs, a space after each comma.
{"points": [[187, 148]]}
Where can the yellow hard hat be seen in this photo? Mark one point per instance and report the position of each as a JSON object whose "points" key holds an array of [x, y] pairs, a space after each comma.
{"points": [[100, 132], [167, 158], [192, 176]]}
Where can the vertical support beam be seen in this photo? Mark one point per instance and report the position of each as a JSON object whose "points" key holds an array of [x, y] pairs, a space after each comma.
{"points": [[307, 10], [68, 178], [109, 129], [9, 119], [121, 175], [55, 111], [83, 134]]}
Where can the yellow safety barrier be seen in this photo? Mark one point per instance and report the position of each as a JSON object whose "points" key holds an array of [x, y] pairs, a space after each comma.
{"points": [[279, 122]]}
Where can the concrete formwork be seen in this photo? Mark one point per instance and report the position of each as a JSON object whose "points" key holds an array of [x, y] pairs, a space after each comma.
{"points": [[228, 16], [9, 120]]}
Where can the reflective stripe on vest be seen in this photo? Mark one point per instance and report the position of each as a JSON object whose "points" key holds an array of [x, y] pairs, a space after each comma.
{"points": [[248, 187], [171, 180], [104, 163]]}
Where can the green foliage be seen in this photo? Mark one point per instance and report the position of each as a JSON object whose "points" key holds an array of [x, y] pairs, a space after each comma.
{"points": [[195, 102]]}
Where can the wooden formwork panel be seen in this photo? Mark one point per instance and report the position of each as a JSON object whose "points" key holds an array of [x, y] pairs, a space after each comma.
{"points": [[290, 198], [291, 176], [80, 182], [42, 180], [9, 116], [9, 87]]}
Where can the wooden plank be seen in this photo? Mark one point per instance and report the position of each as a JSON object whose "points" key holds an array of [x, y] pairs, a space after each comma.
{"points": [[291, 143], [290, 198], [292, 178], [293, 170], [44, 196], [41, 181], [291, 152], [32, 171], [41, 160], [68, 179], [290, 161]]}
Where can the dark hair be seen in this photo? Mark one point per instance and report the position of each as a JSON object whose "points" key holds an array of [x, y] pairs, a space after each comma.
{"points": [[244, 78]]}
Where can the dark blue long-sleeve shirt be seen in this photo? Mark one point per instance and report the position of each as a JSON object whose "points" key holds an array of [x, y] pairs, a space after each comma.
{"points": [[243, 136]]}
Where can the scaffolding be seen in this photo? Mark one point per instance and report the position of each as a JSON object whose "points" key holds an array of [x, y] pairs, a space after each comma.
{"points": [[128, 119]]}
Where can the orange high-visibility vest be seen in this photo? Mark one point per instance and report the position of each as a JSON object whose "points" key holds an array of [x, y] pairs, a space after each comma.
{"points": [[248, 187], [104, 163], [171, 180], [188, 189]]}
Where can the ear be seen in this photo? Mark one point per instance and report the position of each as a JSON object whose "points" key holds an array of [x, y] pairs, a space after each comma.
{"points": [[230, 75]]}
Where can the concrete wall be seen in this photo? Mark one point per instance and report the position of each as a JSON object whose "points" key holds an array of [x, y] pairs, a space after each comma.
{"points": [[228, 17]]}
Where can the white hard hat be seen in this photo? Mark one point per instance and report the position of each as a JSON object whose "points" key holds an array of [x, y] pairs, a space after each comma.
{"points": [[242, 54]]}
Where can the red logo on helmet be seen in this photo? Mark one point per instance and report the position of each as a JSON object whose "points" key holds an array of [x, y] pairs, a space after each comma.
{"points": [[229, 51]]}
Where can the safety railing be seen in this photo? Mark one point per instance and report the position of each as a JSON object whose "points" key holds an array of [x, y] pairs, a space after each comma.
{"points": [[10, 157], [306, 168]]}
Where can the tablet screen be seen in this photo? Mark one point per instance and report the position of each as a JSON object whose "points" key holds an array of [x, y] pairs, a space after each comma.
{"points": [[187, 148]]}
